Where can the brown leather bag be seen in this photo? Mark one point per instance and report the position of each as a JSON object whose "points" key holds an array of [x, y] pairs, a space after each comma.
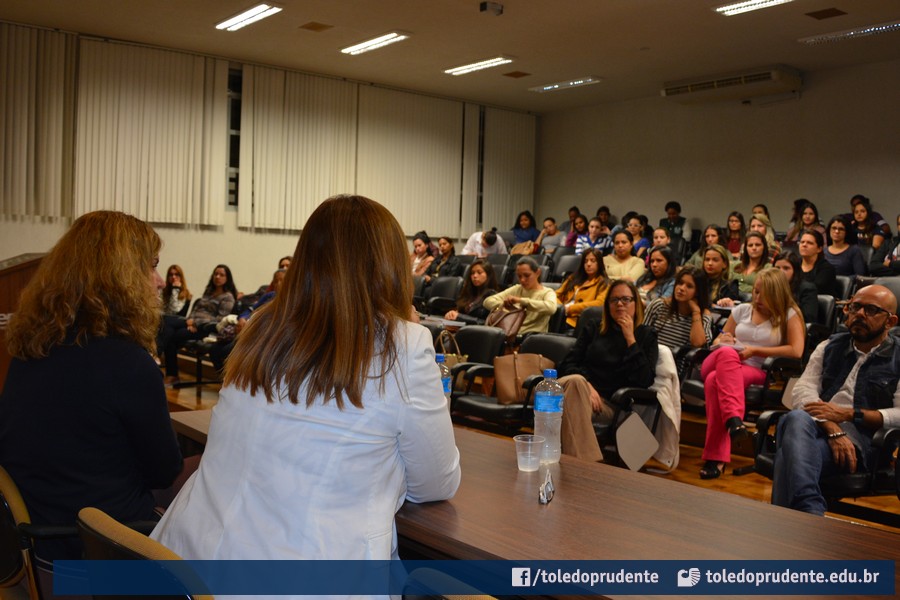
{"points": [[511, 370], [510, 321]]}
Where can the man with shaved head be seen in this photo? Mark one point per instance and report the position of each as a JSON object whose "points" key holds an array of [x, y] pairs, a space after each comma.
{"points": [[847, 392]]}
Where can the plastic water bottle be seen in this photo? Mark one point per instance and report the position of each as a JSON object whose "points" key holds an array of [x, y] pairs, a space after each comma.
{"points": [[548, 409], [446, 379]]}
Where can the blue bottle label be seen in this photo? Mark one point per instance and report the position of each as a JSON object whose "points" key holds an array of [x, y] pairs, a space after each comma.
{"points": [[546, 402], [446, 382]]}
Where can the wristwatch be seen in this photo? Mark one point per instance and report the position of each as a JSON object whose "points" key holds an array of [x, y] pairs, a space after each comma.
{"points": [[857, 417]]}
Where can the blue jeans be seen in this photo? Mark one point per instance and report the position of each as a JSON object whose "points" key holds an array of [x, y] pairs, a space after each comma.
{"points": [[802, 458]]}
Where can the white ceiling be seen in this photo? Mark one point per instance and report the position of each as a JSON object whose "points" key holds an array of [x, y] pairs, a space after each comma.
{"points": [[634, 45]]}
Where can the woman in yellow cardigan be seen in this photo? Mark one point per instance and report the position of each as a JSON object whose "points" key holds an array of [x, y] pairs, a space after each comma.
{"points": [[585, 287]]}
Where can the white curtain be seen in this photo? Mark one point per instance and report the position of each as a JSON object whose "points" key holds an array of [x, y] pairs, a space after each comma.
{"points": [[36, 104], [472, 125], [410, 158], [151, 133], [508, 184], [298, 145]]}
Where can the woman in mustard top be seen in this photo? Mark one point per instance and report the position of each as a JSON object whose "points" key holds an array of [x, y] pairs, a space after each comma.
{"points": [[585, 287]]}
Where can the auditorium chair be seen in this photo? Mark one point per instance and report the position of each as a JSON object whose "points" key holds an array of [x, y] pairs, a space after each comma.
{"points": [[105, 538], [880, 481], [483, 411], [444, 291], [565, 266]]}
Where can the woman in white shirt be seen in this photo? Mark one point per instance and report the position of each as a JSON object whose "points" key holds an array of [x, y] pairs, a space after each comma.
{"points": [[770, 325], [330, 417]]}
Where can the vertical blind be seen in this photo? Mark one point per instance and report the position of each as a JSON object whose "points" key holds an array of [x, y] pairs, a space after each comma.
{"points": [[36, 104], [410, 157], [152, 133], [298, 145], [508, 187]]}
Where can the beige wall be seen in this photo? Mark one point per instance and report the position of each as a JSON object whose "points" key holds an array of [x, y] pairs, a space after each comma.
{"points": [[841, 138]]}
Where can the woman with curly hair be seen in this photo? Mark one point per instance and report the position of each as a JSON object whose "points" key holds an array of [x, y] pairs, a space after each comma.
{"points": [[175, 296], [83, 416]]}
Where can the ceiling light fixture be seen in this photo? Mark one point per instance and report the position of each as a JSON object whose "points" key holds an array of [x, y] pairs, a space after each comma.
{"points": [[380, 42], [252, 15], [483, 64], [742, 7], [565, 85], [836, 36]]}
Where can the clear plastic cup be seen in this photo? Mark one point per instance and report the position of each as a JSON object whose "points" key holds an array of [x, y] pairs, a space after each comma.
{"points": [[528, 451]]}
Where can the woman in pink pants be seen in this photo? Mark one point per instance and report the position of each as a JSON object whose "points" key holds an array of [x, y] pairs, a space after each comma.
{"points": [[770, 325]]}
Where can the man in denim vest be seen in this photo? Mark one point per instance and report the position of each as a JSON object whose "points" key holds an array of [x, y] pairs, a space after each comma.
{"points": [[847, 392]]}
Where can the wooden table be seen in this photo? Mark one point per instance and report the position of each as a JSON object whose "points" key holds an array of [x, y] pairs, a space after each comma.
{"points": [[604, 513]]}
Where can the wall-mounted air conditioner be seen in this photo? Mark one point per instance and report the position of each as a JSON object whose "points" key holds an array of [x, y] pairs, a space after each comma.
{"points": [[744, 85]]}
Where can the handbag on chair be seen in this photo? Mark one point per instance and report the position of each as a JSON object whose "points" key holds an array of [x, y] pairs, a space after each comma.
{"points": [[508, 320], [513, 369], [451, 352]]}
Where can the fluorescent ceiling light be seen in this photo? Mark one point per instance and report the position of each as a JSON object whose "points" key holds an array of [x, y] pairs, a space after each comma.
{"points": [[484, 64], [837, 36], [252, 15], [379, 42], [742, 7], [565, 85]]}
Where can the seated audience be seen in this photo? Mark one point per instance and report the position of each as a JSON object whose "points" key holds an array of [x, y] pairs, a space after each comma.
{"points": [[676, 225], [713, 234], [285, 262], [804, 292], [525, 228], [842, 250], [761, 224], [617, 352], [865, 226], [808, 218], [83, 414], [637, 226], [621, 264], [879, 220], [684, 319], [579, 228], [538, 301], [594, 238], [814, 267], [421, 258], [848, 391], [219, 352], [607, 222], [550, 238], [217, 301], [567, 226], [770, 325], [584, 288], [754, 260], [762, 210], [723, 289], [176, 297], [624, 224], [329, 419], [658, 281], [737, 229], [481, 283], [446, 265], [886, 260], [482, 243]]}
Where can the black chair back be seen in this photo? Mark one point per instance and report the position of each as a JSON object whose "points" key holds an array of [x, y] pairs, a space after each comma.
{"points": [[498, 260], [844, 287], [481, 343], [826, 311], [552, 345], [466, 259], [565, 265]]}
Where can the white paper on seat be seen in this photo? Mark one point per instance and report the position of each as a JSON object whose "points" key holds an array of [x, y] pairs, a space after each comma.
{"points": [[787, 397], [635, 443]]}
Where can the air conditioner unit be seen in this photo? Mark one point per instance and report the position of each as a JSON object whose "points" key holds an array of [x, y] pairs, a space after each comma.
{"points": [[764, 81]]}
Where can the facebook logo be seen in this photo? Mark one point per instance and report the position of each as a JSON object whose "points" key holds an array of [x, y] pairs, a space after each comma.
{"points": [[521, 577]]}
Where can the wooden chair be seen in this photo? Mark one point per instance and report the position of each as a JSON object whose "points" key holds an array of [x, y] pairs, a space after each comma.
{"points": [[105, 538]]}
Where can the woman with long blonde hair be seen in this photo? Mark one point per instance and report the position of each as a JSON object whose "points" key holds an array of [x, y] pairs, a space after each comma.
{"points": [[770, 325], [332, 412], [83, 415]]}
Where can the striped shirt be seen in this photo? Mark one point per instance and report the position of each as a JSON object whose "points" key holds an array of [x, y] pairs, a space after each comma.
{"points": [[673, 331]]}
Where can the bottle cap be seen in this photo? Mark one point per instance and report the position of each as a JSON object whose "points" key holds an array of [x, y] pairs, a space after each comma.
{"points": [[549, 373], [440, 358]]}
